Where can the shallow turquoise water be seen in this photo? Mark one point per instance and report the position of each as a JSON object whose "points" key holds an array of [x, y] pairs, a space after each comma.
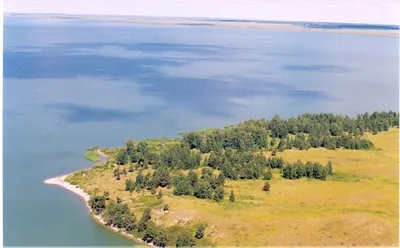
{"points": [[69, 85]]}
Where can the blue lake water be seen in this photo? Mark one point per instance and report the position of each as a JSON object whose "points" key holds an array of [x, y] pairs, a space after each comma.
{"points": [[73, 84]]}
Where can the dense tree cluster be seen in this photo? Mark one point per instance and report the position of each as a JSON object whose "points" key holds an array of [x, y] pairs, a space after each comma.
{"points": [[236, 164], [179, 157], [139, 153], [311, 170], [97, 204], [154, 234], [118, 214], [159, 178], [323, 130], [207, 186], [185, 239]]}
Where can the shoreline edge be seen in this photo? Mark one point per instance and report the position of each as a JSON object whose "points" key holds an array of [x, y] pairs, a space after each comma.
{"points": [[60, 181]]}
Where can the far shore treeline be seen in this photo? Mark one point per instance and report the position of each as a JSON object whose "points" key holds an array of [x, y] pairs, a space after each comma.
{"points": [[233, 153]]}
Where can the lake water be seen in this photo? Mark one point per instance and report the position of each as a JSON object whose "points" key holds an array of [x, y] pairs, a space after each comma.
{"points": [[72, 84]]}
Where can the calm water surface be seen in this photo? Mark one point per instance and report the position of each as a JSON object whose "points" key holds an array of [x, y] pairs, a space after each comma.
{"points": [[69, 85]]}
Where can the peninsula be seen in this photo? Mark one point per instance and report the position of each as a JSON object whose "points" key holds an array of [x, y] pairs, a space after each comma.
{"points": [[260, 182]]}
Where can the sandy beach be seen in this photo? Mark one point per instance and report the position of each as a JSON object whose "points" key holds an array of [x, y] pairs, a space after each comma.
{"points": [[60, 181]]}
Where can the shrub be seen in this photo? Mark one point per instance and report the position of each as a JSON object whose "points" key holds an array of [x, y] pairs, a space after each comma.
{"points": [[266, 186]]}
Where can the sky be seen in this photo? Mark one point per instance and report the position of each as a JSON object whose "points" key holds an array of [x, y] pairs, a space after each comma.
{"points": [[347, 11]]}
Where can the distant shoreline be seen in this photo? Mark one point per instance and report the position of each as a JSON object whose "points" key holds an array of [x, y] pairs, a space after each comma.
{"points": [[224, 23], [60, 181]]}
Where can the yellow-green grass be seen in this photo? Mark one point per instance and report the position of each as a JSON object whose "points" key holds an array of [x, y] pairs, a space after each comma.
{"points": [[92, 156], [356, 206]]}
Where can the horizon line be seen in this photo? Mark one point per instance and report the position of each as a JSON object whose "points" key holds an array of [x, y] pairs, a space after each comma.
{"points": [[197, 18]]}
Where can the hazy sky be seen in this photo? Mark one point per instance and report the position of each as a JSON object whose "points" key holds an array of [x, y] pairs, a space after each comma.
{"points": [[353, 11]]}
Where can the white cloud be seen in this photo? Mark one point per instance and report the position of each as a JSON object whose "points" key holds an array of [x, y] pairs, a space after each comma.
{"points": [[351, 11]]}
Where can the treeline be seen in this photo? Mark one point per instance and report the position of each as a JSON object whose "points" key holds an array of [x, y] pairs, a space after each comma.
{"points": [[323, 130], [311, 170], [175, 156]]}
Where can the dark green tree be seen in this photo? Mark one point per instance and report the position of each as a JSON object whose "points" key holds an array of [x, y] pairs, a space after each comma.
{"points": [[192, 176], [185, 239], [97, 204], [183, 187], [122, 157], [232, 197], [129, 222], [139, 181], [161, 177], [202, 190], [200, 231], [131, 152], [218, 194]]}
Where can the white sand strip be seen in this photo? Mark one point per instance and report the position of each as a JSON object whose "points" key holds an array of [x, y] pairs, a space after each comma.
{"points": [[60, 181]]}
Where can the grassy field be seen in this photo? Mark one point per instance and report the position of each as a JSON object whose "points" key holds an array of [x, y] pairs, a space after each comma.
{"points": [[356, 206], [92, 156]]}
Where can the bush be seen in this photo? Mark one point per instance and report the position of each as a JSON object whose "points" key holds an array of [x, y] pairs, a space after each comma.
{"points": [[266, 187], [267, 175], [166, 207]]}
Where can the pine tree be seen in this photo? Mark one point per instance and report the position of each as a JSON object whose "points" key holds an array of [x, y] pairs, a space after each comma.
{"points": [[200, 232], [232, 197], [139, 180]]}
